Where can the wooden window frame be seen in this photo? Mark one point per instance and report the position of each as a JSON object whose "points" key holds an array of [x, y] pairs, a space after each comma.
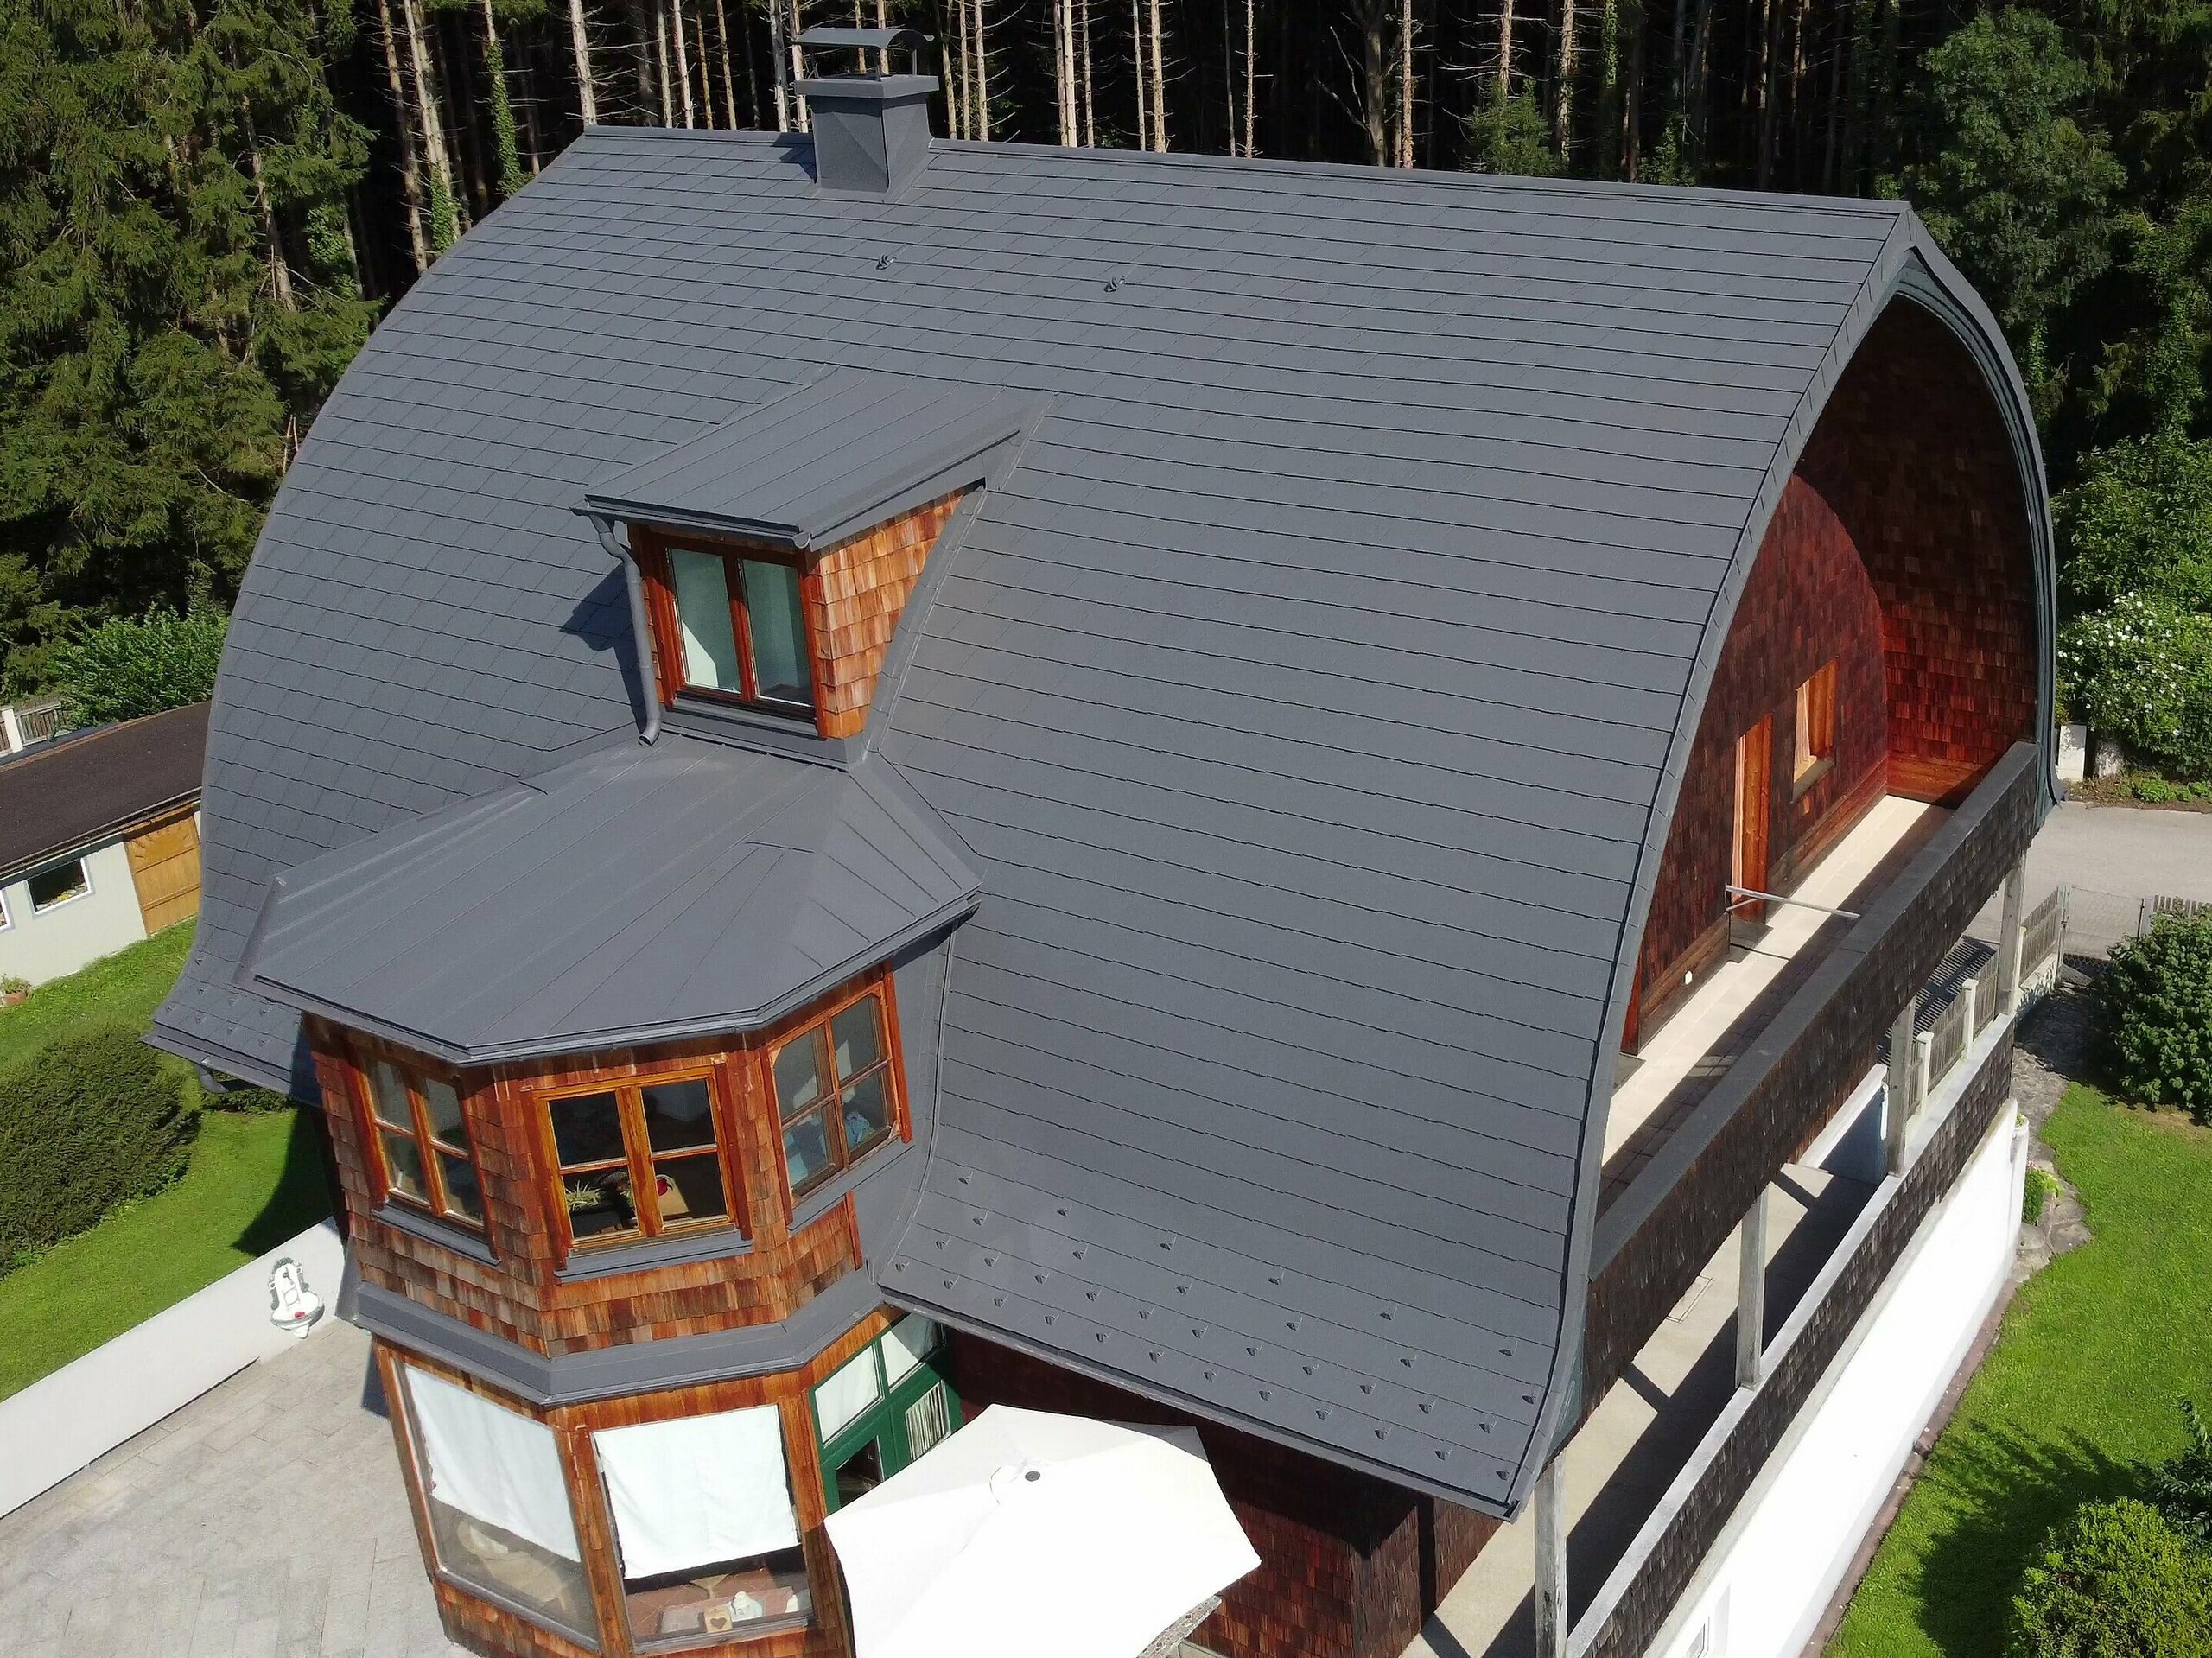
{"points": [[818, 1017], [638, 1156], [1814, 740], [651, 546], [362, 1056]]}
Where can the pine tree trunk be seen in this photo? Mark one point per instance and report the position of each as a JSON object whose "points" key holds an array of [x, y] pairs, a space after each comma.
{"points": [[683, 59], [729, 74], [1136, 72], [1089, 108], [449, 76], [1406, 106], [1563, 89], [280, 275], [503, 109], [580, 44], [1159, 84], [1769, 16], [533, 140], [1251, 47], [706, 64], [979, 94], [794, 27], [783, 123], [1632, 103], [410, 169], [445, 203], [660, 61], [1504, 50]]}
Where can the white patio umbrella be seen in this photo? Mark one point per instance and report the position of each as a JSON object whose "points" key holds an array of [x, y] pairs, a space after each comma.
{"points": [[1028, 1533]]}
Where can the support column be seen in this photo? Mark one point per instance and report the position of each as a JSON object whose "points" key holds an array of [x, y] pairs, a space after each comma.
{"points": [[1896, 1110], [1550, 1520], [2008, 940], [1750, 1293]]}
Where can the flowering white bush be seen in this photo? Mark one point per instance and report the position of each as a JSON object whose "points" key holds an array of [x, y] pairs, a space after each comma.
{"points": [[2142, 670]]}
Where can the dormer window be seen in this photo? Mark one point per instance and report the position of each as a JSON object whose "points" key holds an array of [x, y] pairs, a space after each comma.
{"points": [[738, 623]]}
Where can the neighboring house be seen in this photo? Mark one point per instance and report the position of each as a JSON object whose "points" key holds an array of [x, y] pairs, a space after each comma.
{"points": [[873, 775], [100, 841]]}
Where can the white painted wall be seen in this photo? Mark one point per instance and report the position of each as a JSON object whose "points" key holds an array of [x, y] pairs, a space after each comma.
{"points": [[65, 1421], [1771, 1576], [66, 937]]}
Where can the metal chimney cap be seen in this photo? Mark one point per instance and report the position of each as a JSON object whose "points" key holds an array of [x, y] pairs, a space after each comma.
{"points": [[867, 40]]}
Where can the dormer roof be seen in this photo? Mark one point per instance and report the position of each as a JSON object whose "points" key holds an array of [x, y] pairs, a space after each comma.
{"points": [[848, 452]]}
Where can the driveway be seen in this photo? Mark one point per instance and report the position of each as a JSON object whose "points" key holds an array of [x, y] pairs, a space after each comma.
{"points": [[264, 1520], [2113, 857]]}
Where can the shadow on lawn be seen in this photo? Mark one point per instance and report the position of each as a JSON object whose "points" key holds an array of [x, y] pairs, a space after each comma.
{"points": [[303, 1194], [2012, 1489]]}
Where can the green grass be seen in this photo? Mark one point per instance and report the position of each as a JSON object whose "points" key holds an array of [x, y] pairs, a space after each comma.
{"points": [[124, 988], [2073, 1401], [255, 1180]]}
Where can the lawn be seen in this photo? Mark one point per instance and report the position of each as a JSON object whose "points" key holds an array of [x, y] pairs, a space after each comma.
{"points": [[2075, 1398], [255, 1180]]}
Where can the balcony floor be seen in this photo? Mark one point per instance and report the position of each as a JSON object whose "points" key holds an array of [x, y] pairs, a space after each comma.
{"points": [[1688, 1054], [1645, 1431]]}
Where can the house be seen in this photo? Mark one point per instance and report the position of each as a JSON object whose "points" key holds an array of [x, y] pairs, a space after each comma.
{"points": [[872, 775], [100, 841]]}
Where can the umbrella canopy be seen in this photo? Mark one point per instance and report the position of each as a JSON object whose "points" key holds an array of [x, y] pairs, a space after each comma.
{"points": [[1028, 1533]]}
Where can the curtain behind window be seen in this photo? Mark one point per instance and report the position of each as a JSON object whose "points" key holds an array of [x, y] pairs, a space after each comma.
{"points": [[698, 1491], [487, 1462]]}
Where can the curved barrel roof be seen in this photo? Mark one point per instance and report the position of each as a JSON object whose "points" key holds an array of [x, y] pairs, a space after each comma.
{"points": [[1308, 697]]}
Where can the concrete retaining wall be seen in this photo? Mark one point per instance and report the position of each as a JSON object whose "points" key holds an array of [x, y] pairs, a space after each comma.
{"points": [[65, 1421]]}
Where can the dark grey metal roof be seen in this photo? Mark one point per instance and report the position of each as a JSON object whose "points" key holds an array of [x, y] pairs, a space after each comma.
{"points": [[1311, 696], [635, 895], [837, 457]]}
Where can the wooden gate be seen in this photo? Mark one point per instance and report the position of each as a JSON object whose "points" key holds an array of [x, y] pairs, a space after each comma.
{"points": [[165, 868]]}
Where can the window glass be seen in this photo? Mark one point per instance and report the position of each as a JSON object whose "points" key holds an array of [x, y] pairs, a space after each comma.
{"points": [[59, 884], [705, 1528], [640, 1160], [780, 673], [850, 1389], [845, 1054], [906, 1343], [500, 1516], [423, 1137], [703, 613]]}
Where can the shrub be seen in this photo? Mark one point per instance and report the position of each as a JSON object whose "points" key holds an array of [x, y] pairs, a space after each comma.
{"points": [[2140, 521], [2182, 1488], [124, 669], [2157, 997], [2118, 1580], [2142, 672], [87, 1122], [2035, 1193]]}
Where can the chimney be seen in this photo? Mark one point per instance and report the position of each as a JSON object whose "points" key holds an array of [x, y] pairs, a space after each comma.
{"points": [[871, 128]]}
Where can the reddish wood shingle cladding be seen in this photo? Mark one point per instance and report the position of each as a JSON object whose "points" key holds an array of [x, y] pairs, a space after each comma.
{"points": [[1349, 1567], [855, 594], [1899, 552], [1808, 602], [521, 1296], [1914, 457]]}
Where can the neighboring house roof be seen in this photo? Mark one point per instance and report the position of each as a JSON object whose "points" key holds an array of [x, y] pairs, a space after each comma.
{"points": [[1311, 696], [634, 895], [87, 788]]}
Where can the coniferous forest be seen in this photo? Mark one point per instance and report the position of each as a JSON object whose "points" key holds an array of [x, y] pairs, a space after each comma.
{"points": [[205, 204]]}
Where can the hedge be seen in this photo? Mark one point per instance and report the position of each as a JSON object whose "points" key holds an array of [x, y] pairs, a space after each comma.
{"points": [[88, 1123], [2157, 997], [2118, 1580]]}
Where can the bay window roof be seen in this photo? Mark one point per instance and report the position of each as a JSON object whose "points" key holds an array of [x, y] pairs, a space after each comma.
{"points": [[634, 895], [834, 458]]}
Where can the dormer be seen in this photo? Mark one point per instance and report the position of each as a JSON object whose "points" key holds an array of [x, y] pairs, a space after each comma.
{"points": [[774, 554]]}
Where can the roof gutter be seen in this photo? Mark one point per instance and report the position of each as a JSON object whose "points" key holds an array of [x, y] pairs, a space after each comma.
{"points": [[640, 629]]}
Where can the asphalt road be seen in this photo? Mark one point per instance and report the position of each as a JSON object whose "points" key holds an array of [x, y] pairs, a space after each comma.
{"points": [[2113, 857]]}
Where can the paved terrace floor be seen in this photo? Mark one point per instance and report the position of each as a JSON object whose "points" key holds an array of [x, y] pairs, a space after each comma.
{"points": [[264, 1520], [1692, 1051]]}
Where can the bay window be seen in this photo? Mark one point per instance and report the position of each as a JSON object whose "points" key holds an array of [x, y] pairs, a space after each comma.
{"points": [[500, 1522], [704, 1527]]}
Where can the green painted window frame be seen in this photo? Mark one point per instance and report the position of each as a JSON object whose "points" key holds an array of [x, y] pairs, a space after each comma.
{"points": [[886, 1420]]}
